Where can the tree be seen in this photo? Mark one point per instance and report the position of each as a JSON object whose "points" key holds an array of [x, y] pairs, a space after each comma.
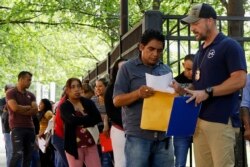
{"points": [[57, 39]]}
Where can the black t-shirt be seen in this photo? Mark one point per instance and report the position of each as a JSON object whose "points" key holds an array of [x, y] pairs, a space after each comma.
{"points": [[183, 80], [114, 113]]}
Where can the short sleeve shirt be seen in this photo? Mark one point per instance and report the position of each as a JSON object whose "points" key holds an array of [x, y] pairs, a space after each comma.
{"points": [[246, 94], [129, 78], [17, 120], [216, 62]]}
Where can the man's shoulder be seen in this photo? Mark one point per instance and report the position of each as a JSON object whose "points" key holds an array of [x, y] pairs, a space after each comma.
{"points": [[11, 93], [133, 61], [180, 77], [225, 40]]}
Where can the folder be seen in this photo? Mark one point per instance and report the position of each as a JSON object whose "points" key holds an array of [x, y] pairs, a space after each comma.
{"points": [[105, 143], [183, 117], [156, 111], [166, 112]]}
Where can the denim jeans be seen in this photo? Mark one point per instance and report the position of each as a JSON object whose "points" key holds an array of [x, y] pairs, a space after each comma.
{"points": [[106, 157], [8, 147], [23, 144], [35, 162], [60, 156], [148, 153], [181, 146]]}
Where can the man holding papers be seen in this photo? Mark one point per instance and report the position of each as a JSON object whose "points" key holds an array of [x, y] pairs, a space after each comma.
{"points": [[142, 147], [219, 72]]}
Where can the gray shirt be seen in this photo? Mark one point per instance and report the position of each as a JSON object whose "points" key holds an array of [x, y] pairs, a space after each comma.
{"points": [[130, 77]]}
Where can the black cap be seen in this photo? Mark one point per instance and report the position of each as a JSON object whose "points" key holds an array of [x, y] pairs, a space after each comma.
{"points": [[199, 11]]}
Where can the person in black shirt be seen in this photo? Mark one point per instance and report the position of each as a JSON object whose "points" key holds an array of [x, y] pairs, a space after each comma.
{"points": [[182, 143], [114, 113], [5, 125], [186, 76]]}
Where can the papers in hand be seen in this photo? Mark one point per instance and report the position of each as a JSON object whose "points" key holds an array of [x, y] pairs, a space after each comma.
{"points": [[41, 144], [160, 83]]}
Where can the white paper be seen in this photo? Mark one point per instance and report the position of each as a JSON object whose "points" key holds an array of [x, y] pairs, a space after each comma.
{"points": [[160, 83], [41, 144], [50, 126]]}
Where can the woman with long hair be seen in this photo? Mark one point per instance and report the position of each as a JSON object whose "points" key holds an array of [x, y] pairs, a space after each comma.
{"points": [[80, 115], [44, 115], [114, 113], [57, 139], [100, 89]]}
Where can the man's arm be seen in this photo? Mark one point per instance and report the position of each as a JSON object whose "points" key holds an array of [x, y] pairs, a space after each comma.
{"points": [[244, 114], [24, 110], [34, 108], [244, 109], [180, 90], [236, 81]]}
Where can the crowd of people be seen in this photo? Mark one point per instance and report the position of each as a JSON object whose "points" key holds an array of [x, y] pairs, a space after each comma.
{"points": [[213, 76]]}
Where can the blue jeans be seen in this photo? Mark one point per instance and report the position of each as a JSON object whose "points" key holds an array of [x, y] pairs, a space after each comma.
{"points": [[60, 157], [106, 159], [181, 146], [23, 144], [35, 162], [148, 153], [8, 147]]}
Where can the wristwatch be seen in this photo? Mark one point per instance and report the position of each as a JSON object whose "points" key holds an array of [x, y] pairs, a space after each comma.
{"points": [[209, 91]]}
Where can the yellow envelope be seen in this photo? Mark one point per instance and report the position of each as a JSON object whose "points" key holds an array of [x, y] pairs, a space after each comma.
{"points": [[156, 111]]}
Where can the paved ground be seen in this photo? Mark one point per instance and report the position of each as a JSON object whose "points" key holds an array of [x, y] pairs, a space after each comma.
{"points": [[2, 148]]}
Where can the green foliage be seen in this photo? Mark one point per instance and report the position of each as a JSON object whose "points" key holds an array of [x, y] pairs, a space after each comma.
{"points": [[58, 39]]}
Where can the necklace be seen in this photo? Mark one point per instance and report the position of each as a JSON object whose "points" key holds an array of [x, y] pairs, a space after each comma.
{"points": [[198, 72]]}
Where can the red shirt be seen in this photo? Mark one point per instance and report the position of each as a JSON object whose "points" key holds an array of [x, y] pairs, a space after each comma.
{"points": [[17, 120], [58, 129]]}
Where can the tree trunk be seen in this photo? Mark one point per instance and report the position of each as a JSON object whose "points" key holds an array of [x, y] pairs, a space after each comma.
{"points": [[236, 28]]}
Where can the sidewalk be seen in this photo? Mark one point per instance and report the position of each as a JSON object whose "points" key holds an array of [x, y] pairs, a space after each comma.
{"points": [[3, 158], [2, 148]]}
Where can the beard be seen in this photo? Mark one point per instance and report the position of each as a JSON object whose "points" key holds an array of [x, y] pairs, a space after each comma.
{"points": [[202, 36]]}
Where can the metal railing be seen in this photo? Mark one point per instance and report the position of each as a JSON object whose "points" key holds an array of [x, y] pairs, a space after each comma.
{"points": [[179, 42]]}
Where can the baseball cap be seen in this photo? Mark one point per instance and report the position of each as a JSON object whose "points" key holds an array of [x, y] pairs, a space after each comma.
{"points": [[199, 11]]}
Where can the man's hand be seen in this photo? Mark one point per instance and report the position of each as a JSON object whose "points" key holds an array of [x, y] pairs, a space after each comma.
{"points": [[247, 134], [145, 91], [177, 87], [106, 126], [197, 95], [244, 114]]}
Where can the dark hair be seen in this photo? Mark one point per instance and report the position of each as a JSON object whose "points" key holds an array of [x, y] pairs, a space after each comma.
{"points": [[115, 69], [22, 74], [189, 57], [70, 80], [104, 81], [87, 88], [47, 105], [151, 34]]}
